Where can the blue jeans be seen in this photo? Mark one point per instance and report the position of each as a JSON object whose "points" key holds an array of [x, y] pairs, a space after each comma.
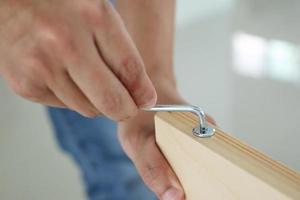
{"points": [[107, 172]]}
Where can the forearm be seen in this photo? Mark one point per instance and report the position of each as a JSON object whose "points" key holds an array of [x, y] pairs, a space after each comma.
{"points": [[151, 25]]}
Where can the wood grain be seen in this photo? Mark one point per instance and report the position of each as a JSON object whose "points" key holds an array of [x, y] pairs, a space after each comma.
{"points": [[221, 167]]}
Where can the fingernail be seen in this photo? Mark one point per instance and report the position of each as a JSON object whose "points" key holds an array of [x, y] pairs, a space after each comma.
{"points": [[173, 194]]}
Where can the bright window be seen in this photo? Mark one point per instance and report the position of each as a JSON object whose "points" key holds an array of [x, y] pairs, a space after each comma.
{"points": [[258, 57]]}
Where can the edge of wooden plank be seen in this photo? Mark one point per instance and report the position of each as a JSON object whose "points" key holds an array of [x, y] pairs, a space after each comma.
{"points": [[254, 162]]}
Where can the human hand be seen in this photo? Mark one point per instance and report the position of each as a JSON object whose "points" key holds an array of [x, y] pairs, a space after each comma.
{"points": [[74, 54], [137, 137]]}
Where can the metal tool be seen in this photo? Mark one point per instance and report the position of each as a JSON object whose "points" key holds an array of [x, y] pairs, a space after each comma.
{"points": [[202, 131]]}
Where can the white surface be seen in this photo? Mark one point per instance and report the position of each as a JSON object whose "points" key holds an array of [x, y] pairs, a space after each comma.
{"points": [[189, 11], [31, 165], [262, 112]]}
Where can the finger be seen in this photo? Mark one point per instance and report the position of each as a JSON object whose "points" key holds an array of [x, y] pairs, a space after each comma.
{"points": [[101, 86], [49, 59], [49, 99], [120, 54], [154, 168], [67, 91], [211, 120], [31, 89], [38, 95]]}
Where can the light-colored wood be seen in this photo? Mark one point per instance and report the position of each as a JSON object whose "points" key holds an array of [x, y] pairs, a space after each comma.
{"points": [[221, 167]]}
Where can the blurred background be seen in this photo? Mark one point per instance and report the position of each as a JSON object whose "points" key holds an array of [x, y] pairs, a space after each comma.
{"points": [[237, 59]]}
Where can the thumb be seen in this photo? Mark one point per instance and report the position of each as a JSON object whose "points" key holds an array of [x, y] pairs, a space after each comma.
{"points": [[153, 167]]}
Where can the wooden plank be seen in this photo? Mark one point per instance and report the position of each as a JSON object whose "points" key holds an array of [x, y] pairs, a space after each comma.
{"points": [[221, 167]]}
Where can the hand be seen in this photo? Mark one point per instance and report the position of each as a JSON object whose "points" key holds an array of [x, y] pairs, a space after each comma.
{"points": [[74, 54], [137, 136]]}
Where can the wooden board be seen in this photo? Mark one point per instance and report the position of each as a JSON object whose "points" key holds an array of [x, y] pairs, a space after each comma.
{"points": [[221, 167]]}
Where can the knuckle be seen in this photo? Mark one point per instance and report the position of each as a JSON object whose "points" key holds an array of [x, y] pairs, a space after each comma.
{"points": [[47, 32], [35, 68], [94, 13], [112, 103], [27, 89], [56, 37], [131, 71], [27, 85], [49, 39]]}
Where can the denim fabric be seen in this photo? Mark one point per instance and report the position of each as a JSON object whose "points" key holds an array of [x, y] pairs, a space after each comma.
{"points": [[107, 172]]}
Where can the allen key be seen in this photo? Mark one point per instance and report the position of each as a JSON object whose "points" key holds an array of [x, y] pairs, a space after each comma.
{"points": [[202, 131]]}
